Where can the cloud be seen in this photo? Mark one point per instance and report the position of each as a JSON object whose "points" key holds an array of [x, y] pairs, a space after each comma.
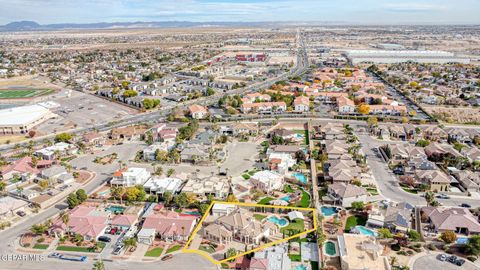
{"points": [[412, 7]]}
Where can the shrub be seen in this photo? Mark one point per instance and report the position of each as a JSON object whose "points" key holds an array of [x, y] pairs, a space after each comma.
{"points": [[40, 240], [402, 252], [431, 247], [410, 252], [26, 245], [395, 247], [472, 258]]}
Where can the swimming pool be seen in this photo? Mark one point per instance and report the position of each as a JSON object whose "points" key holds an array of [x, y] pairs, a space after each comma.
{"points": [[286, 198], [299, 136], [195, 213], [330, 248], [300, 267], [300, 177], [115, 209], [328, 211], [281, 222], [364, 231], [461, 240]]}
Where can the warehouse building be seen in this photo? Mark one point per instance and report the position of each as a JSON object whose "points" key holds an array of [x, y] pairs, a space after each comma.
{"points": [[402, 56], [20, 120]]}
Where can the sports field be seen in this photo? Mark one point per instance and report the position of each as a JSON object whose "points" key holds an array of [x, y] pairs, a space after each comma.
{"points": [[23, 93]]}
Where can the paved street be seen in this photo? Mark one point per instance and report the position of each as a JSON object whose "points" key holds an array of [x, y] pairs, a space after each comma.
{"points": [[429, 262]]}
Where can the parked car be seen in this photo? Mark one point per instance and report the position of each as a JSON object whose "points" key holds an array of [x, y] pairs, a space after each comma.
{"points": [[167, 257], [466, 205], [443, 196], [113, 231], [452, 259], [104, 239], [21, 213], [460, 262], [54, 255], [117, 250], [442, 257]]}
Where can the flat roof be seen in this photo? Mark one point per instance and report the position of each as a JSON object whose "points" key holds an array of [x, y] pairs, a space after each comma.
{"points": [[22, 115]]}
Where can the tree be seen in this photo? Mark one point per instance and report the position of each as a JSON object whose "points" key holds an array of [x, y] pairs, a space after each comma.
{"points": [[129, 93], [3, 186], [422, 143], [32, 133], [203, 207], [63, 137], [473, 245], [72, 200], [131, 194], [43, 184], [78, 238], [167, 197], [39, 229], [98, 265], [358, 206], [231, 198], [81, 195], [413, 235], [191, 198], [448, 237], [117, 193], [65, 216], [412, 113], [363, 109], [181, 200], [372, 121], [170, 172], [130, 242], [385, 233], [231, 252], [158, 171], [405, 120]]}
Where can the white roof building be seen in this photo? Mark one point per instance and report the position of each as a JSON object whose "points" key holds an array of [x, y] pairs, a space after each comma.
{"points": [[131, 177], [401, 56], [19, 120], [9, 205], [267, 181], [160, 185]]}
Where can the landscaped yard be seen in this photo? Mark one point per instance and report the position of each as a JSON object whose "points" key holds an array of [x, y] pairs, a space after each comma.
{"points": [[353, 221], [305, 200], [288, 189], [410, 190], [295, 257], [207, 249], [259, 217], [246, 176], [294, 227], [41, 246], [265, 200], [75, 249], [154, 252], [173, 249]]}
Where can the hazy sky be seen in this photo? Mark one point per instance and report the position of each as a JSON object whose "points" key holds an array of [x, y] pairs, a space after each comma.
{"points": [[354, 11]]}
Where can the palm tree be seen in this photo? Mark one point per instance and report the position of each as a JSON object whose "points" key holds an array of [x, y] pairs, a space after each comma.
{"points": [[3, 185], [65, 217]]}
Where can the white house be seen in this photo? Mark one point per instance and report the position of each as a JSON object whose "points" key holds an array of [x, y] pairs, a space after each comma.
{"points": [[130, 177], [344, 194], [222, 209], [160, 185], [267, 181], [198, 112], [301, 104]]}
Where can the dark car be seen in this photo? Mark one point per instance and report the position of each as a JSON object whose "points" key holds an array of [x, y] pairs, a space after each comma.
{"points": [[466, 205], [104, 239], [21, 213], [167, 257], [460, 262], [452, 259]]}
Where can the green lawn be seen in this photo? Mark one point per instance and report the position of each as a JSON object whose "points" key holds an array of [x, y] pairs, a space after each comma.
{"points": [[295, 257], [154, 252], [40, 246], [265, 200], [288, 189], [246, 176], [305, 200], [259, 217], [76, 249], [353, 221], [22, 93], [174, 248], [207, 249], [410, 190], [296, 226]]}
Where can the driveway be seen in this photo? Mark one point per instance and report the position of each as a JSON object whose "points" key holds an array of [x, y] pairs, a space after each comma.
{"points": [[429, 262]]}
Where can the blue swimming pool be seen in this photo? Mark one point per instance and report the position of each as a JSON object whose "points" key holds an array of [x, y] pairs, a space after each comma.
{"points": [[300, 177], [364, 231], [115, 209], [300, 267], [462, 241], [195, 213], [279, 221], [286, 198], [328, 211]]}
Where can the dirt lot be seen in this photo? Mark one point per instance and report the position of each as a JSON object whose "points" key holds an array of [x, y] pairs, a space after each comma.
{"points": [[462, 115]]}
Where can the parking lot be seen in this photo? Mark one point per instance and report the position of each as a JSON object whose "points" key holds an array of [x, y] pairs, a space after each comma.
{"points": [[83, 110], [431, 261]]}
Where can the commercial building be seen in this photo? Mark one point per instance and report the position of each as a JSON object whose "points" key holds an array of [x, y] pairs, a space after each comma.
{"points": [[20, 120], [402, 56]]}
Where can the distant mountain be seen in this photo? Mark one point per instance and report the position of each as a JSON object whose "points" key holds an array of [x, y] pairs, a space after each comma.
{"points": [[33, 26]]}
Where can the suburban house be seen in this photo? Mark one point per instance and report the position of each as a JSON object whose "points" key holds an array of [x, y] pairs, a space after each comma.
{"points": [[469, 180], [159, 185], [9, 206], [345, 105], [170, 225], [84, 220], [264, 107], [124, 221], [198, 111], [267, 181], [394, 216], [434, 133], [150, 153], [93, 138], [57, 173], [55, 151], [130, 177], [271, 258], [456, 219], [301, 104], [126, 133], [23, 168], [344, 194], [222, 209], [217, 187], [358, 251], [437, 151], [280, 162], [195, 153], [436, 179]]}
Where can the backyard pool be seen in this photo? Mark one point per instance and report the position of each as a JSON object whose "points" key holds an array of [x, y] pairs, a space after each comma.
{"points": [[286, 198], [195, 213], [281, 222], [300, 177], [330, 248], [328, 211], [461, 240], [364, 231], [115, 209], [300, 267]]}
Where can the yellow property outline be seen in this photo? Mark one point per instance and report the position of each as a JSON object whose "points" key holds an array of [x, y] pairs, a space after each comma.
{"points": [[207, 255]]}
